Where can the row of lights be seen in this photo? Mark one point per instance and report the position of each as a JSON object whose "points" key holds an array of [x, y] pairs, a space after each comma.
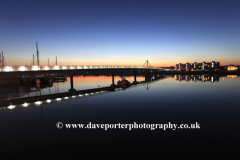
{"points": [[36, 68], [57, 99]]}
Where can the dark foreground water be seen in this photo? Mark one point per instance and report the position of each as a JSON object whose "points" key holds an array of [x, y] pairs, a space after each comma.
{"points": [[214, 104]]}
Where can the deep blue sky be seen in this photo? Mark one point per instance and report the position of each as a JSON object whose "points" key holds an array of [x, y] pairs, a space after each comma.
{"points": [[120, 32]]}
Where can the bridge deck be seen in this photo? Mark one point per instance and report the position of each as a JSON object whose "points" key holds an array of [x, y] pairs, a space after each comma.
{"points": [[71, 67]]}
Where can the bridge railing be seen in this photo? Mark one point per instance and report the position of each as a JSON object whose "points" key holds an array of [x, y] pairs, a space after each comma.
{"points": [[66, 67]]}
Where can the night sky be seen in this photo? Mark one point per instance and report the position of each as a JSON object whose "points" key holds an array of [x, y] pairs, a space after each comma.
{"points": [[119, 32]]}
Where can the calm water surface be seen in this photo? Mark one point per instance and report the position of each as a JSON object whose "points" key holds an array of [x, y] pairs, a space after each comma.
{"points": [[214, 105]]}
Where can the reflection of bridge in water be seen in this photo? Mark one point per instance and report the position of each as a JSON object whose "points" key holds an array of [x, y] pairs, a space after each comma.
{"points": [[68, 96]]}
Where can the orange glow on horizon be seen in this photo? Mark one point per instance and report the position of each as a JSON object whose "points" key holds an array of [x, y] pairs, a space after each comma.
{"points": [[153, 63]]}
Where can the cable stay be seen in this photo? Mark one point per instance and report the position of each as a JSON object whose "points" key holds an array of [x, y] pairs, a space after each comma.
{"points": [[147, 63], [148, 87]]}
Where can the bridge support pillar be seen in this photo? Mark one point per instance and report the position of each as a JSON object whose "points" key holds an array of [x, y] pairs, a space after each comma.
{"points": [[148, 78], [113, 85], [71, 81], [156, 75], [135, 77]]}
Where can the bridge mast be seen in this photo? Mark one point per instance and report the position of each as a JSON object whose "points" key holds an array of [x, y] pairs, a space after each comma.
{"points": [[147, 63]]}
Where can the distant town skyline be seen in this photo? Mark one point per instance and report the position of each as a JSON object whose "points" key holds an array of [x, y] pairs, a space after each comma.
{"points": [[126, 32]]}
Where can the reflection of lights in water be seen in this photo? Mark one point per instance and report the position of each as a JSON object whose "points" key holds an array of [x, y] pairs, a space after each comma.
{"points": [[38, 102], [97, 92], [80, 95], [92, 93], [86, 94], [231, 76], [58, 99], [48, 101], [22, 68], [11, 107], [25, 104], [65, 97], [73, 96]]}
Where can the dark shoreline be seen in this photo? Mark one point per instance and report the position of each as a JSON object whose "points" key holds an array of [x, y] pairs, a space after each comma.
{"points": [[13, 78]]}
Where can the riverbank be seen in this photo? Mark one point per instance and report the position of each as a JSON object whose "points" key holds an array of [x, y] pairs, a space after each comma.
{"points": [[10, 81]]}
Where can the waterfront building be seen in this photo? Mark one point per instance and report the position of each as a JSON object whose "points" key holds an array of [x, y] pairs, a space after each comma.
{"points": [[232, 68], [204, 66]]}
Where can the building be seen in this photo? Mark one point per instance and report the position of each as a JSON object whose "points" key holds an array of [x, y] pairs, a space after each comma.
{"points": [[204, 66], [232, 68]]}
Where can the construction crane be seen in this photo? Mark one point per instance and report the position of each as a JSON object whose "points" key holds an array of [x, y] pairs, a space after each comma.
{"points": [[2, 59], [33, 59], [37, 53]]}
